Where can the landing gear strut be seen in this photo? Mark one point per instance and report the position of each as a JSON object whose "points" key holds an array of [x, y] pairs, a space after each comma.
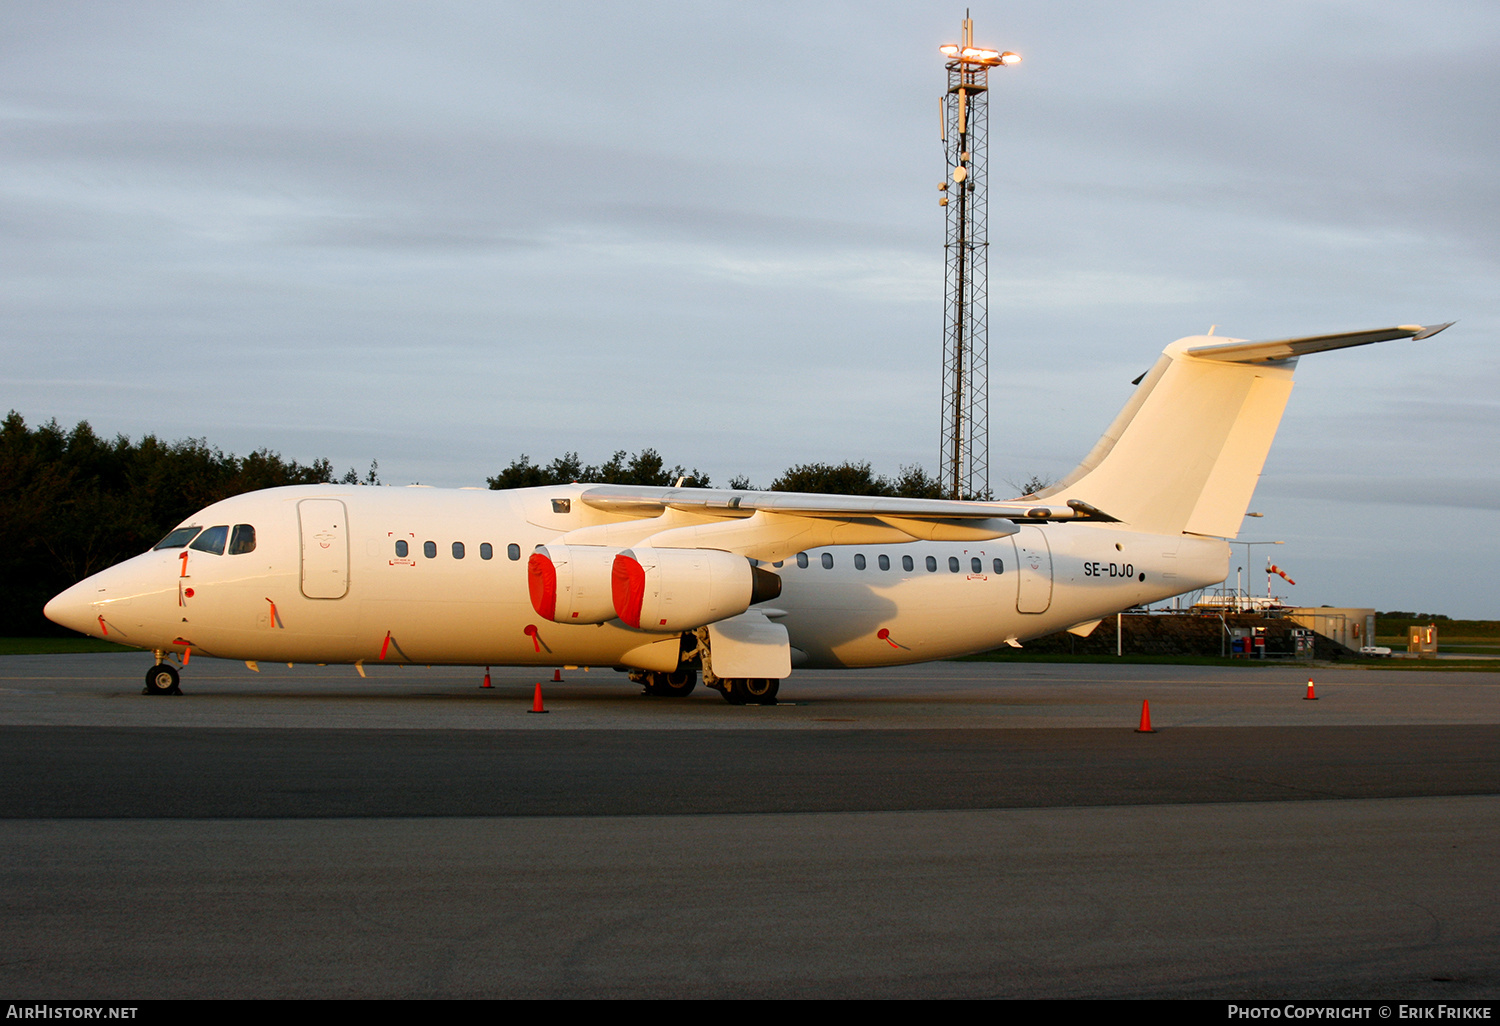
{"points": [[161, 679]]}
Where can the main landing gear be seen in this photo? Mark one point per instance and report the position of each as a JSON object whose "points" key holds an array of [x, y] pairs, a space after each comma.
{"points": [[161, 679], [748, 690], [677, 684]]}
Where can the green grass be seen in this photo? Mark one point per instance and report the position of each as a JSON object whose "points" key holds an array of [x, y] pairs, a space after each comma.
{"points": [[58, 646], [1457, 630]]}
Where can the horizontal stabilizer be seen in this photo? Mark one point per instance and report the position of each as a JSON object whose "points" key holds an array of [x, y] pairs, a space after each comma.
{"points": [[1185, 453], [1289, 348]]}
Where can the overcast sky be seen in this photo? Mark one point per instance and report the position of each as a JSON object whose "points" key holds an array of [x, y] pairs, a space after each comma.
{"points": [[442, 235]]}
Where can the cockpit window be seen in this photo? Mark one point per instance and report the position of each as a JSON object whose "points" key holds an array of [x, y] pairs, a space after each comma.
{"points": [[212, 540], [177, 539], [242, 540]]}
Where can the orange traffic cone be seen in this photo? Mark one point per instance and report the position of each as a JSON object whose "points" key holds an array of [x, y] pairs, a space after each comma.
{"points": [[1145, 727], [486, 683], [536, 701], [1309, 697], [557, 676]]}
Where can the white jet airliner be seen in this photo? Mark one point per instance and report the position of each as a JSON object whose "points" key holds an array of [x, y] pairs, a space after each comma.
{"points": [[741, 586]]}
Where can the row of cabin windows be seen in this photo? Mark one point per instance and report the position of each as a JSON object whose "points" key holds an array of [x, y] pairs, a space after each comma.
{"points": [[976, 565], [238, 541], [429, 549]]}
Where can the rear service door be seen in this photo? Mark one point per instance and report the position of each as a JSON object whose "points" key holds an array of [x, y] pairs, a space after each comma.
{"points": [[1034, 564], [325, 548]]}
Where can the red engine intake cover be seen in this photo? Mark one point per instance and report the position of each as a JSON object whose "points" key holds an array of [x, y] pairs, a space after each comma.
{"points": [[541, 582], [628, 588]]}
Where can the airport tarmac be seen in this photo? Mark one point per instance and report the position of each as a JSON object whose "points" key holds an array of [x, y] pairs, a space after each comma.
{"points": [[952, 829]]}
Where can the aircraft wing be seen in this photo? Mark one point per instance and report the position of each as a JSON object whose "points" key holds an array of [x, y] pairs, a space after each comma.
{"points": [[629, 499], [1290, 348], [773, 525]]}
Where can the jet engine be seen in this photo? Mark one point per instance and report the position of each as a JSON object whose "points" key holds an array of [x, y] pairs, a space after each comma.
{"points": [[571, 583], [680, 589]]}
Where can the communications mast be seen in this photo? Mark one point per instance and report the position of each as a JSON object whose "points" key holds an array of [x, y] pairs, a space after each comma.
{"points": [[966, 358]]}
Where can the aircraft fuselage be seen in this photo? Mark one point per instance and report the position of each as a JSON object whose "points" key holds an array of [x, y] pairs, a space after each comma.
{"points": [[343, 574]]}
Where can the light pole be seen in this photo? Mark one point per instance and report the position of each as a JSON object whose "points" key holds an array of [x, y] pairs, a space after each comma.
{"points": [[965, 133]]}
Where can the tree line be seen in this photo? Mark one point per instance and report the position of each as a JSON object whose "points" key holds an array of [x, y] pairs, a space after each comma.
{"points": [[648, 468], [73, 503]]}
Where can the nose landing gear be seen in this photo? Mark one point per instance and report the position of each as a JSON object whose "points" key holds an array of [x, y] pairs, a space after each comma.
{"points": [[161, 679]]}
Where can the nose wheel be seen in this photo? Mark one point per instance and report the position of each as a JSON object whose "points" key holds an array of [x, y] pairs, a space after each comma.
{"points": [[161, 679]]}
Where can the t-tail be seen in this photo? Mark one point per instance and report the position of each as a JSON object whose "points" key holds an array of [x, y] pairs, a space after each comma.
{"points": [[1185, 453]]}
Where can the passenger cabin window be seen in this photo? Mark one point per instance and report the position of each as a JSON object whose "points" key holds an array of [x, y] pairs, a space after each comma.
{"points": [[932, 564], [177, 539], [401, 549], [999, 567], [885, 562], [486, 550], [828, 561], [976, 565], [458, 550], [906, 563], [802, 560], [429, 549], [859, 561], [513, 551], [242, 540], [212, 540], [953, 564]]}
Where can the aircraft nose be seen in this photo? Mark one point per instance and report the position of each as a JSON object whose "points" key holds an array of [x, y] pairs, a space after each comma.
{"points": [[74, 608]]}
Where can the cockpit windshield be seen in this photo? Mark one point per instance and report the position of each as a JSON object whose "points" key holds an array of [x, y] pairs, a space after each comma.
{"points": [[243, 540], [212, 540], [177, 539]]}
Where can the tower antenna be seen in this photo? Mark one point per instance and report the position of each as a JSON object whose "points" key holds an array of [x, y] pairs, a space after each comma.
{"points": [[965, 135]]}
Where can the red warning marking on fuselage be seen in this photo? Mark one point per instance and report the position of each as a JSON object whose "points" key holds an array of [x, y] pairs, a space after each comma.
{"points": [[275, 619], [385, 644], [102, 627]]}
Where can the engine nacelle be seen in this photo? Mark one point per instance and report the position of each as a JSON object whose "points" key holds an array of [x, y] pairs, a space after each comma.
{"points": [[571, 583], [680, 589]]}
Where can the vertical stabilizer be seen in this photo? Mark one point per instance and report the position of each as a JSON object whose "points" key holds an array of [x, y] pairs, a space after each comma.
{"points": [[1185, 453]]}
